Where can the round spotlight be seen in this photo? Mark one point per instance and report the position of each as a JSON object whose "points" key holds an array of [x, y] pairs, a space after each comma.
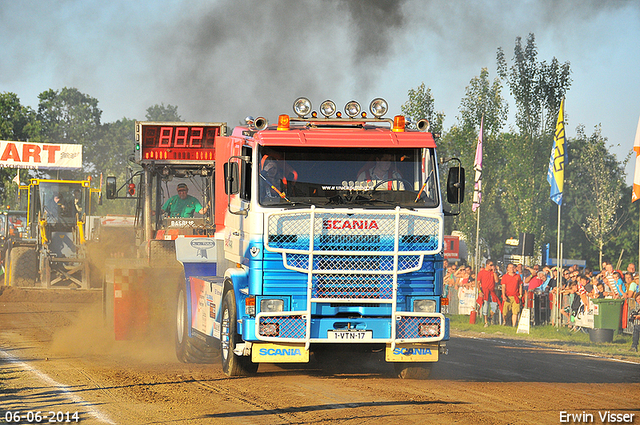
{"points": [[327, 108], [302, 107], [352, 109], [378, 107]]}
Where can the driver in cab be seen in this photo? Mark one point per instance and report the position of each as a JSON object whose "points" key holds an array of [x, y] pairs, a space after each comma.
{"points": [[381, 176], [183, 205]]}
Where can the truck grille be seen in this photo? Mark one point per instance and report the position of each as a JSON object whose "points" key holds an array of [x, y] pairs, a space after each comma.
{"points": [[291, 231], [353, 255], [352, 286], [353, 262]]}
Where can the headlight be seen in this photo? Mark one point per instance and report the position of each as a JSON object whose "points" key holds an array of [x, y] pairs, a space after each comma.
{"points": [[378, 107], [327, 108], [352, 109], [269, 329], [302, 107], [271, 305], [424, 306], [429, 329]]}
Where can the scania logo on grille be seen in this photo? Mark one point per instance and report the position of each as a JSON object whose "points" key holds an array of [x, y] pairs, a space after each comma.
{"points": [[350, 224]]}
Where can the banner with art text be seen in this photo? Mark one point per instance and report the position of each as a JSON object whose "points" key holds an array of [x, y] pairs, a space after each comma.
{"points": [[55, 156]]}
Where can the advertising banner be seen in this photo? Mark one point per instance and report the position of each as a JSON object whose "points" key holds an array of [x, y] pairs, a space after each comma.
{"points": [[40, 155]]}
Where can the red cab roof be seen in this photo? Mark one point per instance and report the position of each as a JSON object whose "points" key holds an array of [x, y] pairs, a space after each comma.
{"points": [[345, 137]]}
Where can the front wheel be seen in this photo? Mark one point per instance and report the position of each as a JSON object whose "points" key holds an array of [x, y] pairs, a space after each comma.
{"points": [[413, 370], [232, 364]]}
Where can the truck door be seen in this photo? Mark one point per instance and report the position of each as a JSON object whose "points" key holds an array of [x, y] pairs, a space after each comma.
{"points": [[237, 229]]}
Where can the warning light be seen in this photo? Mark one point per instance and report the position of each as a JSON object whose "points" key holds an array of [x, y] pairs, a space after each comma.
{"points": [[398, 123], [283, 122], [132, 189]]}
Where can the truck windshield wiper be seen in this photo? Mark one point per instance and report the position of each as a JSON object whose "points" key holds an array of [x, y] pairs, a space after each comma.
{"points": [[371, 199]]}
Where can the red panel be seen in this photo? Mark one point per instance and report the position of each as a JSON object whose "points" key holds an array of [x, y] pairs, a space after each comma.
{"points": [[451, 247], [131, 304]]}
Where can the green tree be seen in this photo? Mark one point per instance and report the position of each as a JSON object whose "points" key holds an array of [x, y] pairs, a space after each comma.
{"points": [[538, 88], [601, 184], [422, 105], [69, 116], [113, 152], [114, 148], [625, 241], [17, 123], [483, 98], [163, 113]]}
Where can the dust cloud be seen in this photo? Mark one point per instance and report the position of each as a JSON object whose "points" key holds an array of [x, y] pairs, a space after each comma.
{"points": [[90, 333]]}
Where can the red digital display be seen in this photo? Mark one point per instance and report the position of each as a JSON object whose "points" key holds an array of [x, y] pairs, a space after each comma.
{"points": [[177, 142]]}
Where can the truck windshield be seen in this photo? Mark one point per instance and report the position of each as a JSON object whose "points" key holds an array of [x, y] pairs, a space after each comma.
{"points": [[362, 177]]}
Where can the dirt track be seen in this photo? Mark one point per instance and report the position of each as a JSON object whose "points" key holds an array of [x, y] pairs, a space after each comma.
{"points": [[55, 355]]}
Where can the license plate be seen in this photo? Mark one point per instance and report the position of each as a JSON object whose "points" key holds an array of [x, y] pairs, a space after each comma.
{"points": [[350, 335]]}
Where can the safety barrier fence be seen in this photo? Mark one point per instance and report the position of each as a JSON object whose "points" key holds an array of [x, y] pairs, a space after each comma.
{"points": [[543, 309]]}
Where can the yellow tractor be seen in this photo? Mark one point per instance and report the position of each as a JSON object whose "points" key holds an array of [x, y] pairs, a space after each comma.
{"points": [[52, 249]]}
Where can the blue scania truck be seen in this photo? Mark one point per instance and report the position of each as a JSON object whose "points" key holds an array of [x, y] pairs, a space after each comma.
{"points": [[326, 239]]}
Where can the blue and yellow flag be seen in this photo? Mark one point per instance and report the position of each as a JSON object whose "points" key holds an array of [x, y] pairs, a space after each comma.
{"points": [[555, 175]]}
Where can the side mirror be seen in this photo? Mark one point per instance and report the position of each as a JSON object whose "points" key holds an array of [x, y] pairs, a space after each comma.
{"points": [[455, 185], [111, 188], [231, 178], [245, 184]]}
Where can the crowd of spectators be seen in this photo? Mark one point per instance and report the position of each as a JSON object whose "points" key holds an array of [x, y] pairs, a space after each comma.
{"points": [[508, 289]]}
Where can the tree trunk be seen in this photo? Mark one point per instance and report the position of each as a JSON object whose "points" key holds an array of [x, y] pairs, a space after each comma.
{"points": [[600, 245]]}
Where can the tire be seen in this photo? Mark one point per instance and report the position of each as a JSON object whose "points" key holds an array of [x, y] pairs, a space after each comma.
{"points": [[232, 364], [413, 370], [23, 266], [190, 349]]}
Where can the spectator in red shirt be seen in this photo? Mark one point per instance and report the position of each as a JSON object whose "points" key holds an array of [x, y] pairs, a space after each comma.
{"points": [[537, 280], [487, 278], [511, 293]]}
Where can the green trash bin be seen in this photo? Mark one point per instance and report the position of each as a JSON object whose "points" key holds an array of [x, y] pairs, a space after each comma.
{"points": [[607, 313]]}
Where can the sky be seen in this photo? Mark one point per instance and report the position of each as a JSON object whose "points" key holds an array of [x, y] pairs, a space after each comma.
{"points": [[222, 60]]}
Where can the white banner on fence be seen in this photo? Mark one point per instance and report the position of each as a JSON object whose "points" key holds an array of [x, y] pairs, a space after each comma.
{"points": [[40, 155]]}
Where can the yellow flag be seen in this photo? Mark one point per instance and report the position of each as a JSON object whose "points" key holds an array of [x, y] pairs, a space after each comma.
{"points": [[555, 175]]}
